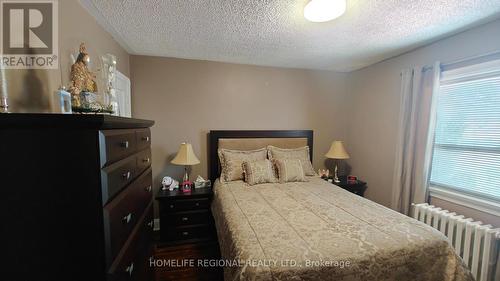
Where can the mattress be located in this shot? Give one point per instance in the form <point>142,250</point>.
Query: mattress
<point>315,230</point>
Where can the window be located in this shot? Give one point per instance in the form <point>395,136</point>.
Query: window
<point>466,150</point>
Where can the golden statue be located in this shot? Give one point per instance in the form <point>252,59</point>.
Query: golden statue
<point>82,79</point>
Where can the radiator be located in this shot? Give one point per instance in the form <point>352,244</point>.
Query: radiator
<point>476,243</point>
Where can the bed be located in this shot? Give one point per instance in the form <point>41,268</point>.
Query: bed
<point>317,231</point>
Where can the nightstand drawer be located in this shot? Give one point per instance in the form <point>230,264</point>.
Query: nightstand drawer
<point>186,218</point>
<point>116,145</point>
<point>185,204</point>
<point>186,233</point>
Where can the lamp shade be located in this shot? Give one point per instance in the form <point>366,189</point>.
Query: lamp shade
<point>185,155</point>
<point>337,151</point>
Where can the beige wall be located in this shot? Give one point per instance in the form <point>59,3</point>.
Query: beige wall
<point>374,100</point>
<point>31,90</point>
<point>187,98</point>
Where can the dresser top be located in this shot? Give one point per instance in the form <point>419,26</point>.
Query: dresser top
<point>70,121</point>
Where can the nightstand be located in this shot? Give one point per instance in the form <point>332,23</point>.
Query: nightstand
<point>186,217</point>
<point>357,187</point>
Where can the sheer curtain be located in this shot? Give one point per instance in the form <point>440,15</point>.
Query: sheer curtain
<point>415,135</point>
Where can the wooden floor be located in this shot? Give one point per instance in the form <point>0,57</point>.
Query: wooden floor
<point>184,253</point>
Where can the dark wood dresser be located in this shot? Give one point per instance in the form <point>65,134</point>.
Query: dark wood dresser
<point>76,197</point>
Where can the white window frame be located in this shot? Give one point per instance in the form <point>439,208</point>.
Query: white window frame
<point>490,206</point>
<point>461,198</point>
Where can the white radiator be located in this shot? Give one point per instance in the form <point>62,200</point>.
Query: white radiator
<point>476,243</point>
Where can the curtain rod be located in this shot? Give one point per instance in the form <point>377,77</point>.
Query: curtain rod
<point>479,58</point>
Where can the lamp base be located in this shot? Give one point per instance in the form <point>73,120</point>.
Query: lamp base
<point>186,184</point>
<point>336,177</point>
<point>186,174</point>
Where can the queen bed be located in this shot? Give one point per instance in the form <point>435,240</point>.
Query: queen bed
<point>314,230</point>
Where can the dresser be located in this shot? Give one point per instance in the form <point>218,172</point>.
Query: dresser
<point>76,197</point>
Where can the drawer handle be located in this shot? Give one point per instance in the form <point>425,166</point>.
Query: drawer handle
<point>146,139</point>
<point>151,223</point>
<point>130,269</point>
<point>145,160</point>
<point>124,144</point>
<point>127,218</point>
<point>184,219</point>
<point>171,206</point>
<point>185,233</point>
<point>126,175</point>
<point>148,189</point>
<point>197,204</point>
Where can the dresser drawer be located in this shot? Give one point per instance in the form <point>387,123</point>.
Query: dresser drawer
<point>123,212</point>
<point>186,233</point>
<point>185,218</point>
<point>116,145</point>
<point>132,261</point>
<point>184,205</point>
<point>116,176</point>
<point>143,138</point>
<point>143,160</point>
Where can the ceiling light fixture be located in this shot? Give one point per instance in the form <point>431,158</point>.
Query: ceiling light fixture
<point>324,10</point>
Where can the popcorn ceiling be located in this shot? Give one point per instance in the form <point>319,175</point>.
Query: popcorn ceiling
<point>275,32</point>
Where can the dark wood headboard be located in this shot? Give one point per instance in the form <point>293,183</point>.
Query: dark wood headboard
<point>214,136</point>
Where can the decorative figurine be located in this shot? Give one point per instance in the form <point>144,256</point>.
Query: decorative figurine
<point>83,89</point>
<point>169,183</point>
<point>109,75</point>
<point>324,174</point>
<point>82,80</point>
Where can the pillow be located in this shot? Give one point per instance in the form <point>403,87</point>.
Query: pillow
<point>231,162</point>
<point>290,170</point>
<point>261,171</point>
<point>301,153</point>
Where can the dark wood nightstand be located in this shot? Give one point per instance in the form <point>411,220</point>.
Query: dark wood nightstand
<point>357,187</point>
<point>187,232</point>
<point>186,217</point>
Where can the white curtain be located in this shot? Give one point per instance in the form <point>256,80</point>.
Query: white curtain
<point>415,136</point>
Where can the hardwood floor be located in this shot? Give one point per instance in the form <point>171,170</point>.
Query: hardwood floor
<point>180,262</point>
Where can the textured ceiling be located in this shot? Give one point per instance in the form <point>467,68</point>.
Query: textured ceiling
<point>275,33</point>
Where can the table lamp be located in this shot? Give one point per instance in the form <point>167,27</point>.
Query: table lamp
<point>337,151</point>
<point>185,156</point>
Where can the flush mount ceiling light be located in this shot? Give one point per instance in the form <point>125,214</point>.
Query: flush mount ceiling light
<point>324,10</point>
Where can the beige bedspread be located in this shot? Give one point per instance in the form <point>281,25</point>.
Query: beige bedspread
<point>318,231</point>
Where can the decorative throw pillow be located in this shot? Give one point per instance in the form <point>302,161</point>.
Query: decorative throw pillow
<point>231,162</point>
<point>301,153</point>
<point>289,170</point>
<point>261,171</point>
